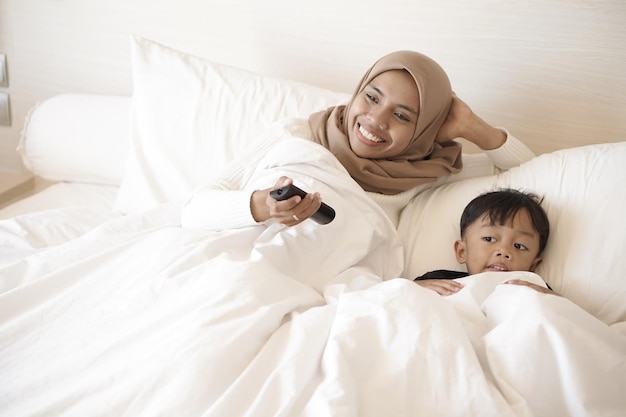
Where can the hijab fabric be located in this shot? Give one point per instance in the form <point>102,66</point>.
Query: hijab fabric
<point>423,160</point>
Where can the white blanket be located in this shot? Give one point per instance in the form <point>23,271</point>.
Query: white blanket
<point>139,317</point>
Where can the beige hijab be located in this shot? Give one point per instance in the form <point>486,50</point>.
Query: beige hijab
<point>423,160</point>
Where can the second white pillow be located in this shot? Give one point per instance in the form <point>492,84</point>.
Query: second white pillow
<point>190,117</point>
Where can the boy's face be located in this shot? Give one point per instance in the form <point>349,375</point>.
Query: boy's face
<point>492,247</point>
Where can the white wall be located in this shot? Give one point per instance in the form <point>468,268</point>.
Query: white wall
<point>551,71</point>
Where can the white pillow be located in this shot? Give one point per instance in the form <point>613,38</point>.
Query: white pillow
<point>78,138</point>
<point>190,117</point>
<point>584,197</point>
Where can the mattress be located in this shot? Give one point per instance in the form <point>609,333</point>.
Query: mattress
<point>63,195</point>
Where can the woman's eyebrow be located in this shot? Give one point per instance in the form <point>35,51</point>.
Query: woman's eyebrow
<point>402,106</point>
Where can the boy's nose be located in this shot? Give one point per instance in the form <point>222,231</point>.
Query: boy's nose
<point>504,253</point>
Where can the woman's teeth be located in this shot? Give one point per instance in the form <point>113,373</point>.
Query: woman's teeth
<point>367,135</point>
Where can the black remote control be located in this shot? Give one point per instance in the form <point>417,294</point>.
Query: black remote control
<point>324,215</point>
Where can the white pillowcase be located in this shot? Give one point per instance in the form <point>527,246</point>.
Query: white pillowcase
<point>583,190</point>
<point>190,117</point>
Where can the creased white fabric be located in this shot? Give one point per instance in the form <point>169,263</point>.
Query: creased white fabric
<point>139,317</point>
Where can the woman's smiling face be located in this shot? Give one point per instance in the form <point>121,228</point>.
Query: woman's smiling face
<point>382,118</point>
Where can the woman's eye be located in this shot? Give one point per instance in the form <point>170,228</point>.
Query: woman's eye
<point>403,117</point>
<point>370,97</point>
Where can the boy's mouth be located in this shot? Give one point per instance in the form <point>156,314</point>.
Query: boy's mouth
<point>497,267</point>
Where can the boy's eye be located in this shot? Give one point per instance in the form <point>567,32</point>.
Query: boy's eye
<point>519,246</point>
<point>489,239</point>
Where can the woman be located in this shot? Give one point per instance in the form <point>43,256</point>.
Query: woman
<point>395,138</point>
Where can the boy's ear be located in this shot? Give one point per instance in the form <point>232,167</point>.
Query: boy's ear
<point>459,250</point>
<point>535,264</point>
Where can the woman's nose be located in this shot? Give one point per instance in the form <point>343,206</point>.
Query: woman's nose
<point>377,116</point>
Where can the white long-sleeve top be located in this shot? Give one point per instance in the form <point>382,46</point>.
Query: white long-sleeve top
<point>223,204</point>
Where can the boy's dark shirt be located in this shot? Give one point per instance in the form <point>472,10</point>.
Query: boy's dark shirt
<point>442,274</point>
<point>447,274</point>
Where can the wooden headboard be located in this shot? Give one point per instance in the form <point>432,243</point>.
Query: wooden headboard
<point>551,71</point>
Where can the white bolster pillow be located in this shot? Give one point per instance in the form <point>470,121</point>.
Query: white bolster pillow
<point>78,138</point>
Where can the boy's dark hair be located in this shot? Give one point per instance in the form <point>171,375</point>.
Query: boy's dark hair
<point>502,205</point>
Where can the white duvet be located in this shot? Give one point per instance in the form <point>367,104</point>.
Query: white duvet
<point>139,317</point>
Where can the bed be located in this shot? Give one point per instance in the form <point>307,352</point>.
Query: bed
<point>110,308</point>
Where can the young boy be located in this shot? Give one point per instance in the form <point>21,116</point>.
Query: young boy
<point>505,230</point>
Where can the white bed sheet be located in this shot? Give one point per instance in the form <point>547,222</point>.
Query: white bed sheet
<point>57,214</point>
<point>139,317</point>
